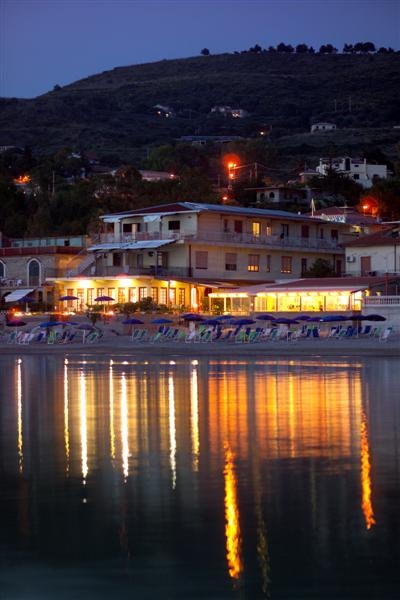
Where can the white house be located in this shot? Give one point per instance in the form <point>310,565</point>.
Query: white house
<point>355,168</point>
<point>322,126</point>
<point>375,254</point>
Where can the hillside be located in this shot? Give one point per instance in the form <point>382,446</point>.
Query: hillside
<point>112,113</point>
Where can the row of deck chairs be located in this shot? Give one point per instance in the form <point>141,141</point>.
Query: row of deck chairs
<point>51,337</point>
<point>366,331</point>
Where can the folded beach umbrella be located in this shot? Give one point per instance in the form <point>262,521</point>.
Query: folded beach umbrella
<point>47,324</point>
<point>285,321</point>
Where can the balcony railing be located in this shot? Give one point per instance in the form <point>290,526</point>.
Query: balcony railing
<point>371,301</point>
<point>152,271</point>
<point>215,237</point>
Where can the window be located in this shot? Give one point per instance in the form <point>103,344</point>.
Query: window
<point>365,264</point>
<point>268,229</point>
<point>111,293</point>
<point>154,294</point>
<point>356,176</point>
<point>117,259</point>
<point>172,296</point>
<point>143,293</point>
<point>334,234</point>
<point>238,226</point>
<point>34,272</point>
<point>162,295</point>
<point>284,230</point>
<point>121,299</point>
<point>286,264</point>
<point>90,296</point>
<point>268,265</point>
<point>230,261</point>
<point>305,231</point>
<point>132,294</point>
<point>226,225</point>
<point>2,269</point>
<point>181,297</point>
<point>256,228</point>
<point>174,225</point>
<point>99,292</point>
<point>303,265</point>
<point>253,262</point>
<point>201,259</point>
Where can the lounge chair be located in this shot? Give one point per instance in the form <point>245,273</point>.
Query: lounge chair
<point>386,333</point>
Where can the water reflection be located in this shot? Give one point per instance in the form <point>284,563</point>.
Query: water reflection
<point>366,485</point>
<point>205,466</point>
<point>232,526</point>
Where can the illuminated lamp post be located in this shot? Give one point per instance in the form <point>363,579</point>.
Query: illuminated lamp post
<point>231,173</point>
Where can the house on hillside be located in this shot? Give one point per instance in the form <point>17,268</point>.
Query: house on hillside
<point>177,253</point>
<point>322,126</point>
<point>356,169</point>
<point>283,194</point>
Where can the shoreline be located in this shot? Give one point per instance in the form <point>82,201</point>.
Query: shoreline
<point>122,344</point>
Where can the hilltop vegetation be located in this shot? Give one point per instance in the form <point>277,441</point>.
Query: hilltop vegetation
<point>133,117</point>
<point>112,113</point>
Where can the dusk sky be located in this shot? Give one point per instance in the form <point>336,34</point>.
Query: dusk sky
<point>49,42</point>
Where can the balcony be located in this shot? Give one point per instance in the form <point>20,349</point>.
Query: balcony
<point>152,271</point>
<point>225,239</point>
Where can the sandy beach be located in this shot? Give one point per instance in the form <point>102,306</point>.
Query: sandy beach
<point>116,339</point>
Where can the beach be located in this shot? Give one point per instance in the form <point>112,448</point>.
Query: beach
<point>116,339</point>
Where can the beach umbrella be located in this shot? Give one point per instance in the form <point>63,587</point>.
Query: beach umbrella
<point>285,321</point>
<point>47,324</point>
<point>63,298</point>
<point>212,322</point>
<point>132,321</point>
<point>332,318</point>
<point>192,317</point>
<point>161,321</point>
<point>15,323</point>
<point>242,321</point>
<point>303,317</point>
<point>375,318</point>
<point>104,299</point>
<point>86,327</point>
<point>224,317</point>
<point>265,317</point>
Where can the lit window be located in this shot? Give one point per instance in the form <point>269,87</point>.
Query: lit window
<point>286,264</point>
<point>253,262</point>
<point>256,228</point>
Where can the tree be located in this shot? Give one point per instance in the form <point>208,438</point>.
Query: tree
<point>205,52</point>
<point>320,268</point>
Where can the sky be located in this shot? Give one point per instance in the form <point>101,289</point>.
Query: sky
<point>44,43</point>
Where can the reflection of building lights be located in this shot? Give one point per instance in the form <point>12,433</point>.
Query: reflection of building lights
<point>194,417</point>
<point>19,412</point>
<point>124,427</point>
<point>66,414</point>
<point>366,486</point>
<point>172,428</point>
<point>232,527</point>
<point>83,427</point>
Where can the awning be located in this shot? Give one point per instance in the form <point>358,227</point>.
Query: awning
<point>148,245</point>
<point>17,295</point>
<point>143,245</point>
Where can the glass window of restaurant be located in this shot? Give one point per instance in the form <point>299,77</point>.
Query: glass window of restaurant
<point>162,296</point>
<point>133,296</point>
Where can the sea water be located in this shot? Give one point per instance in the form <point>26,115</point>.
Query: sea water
<point>199,478</point>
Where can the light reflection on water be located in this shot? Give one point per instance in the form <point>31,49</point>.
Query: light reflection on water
<point>206,478</point>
